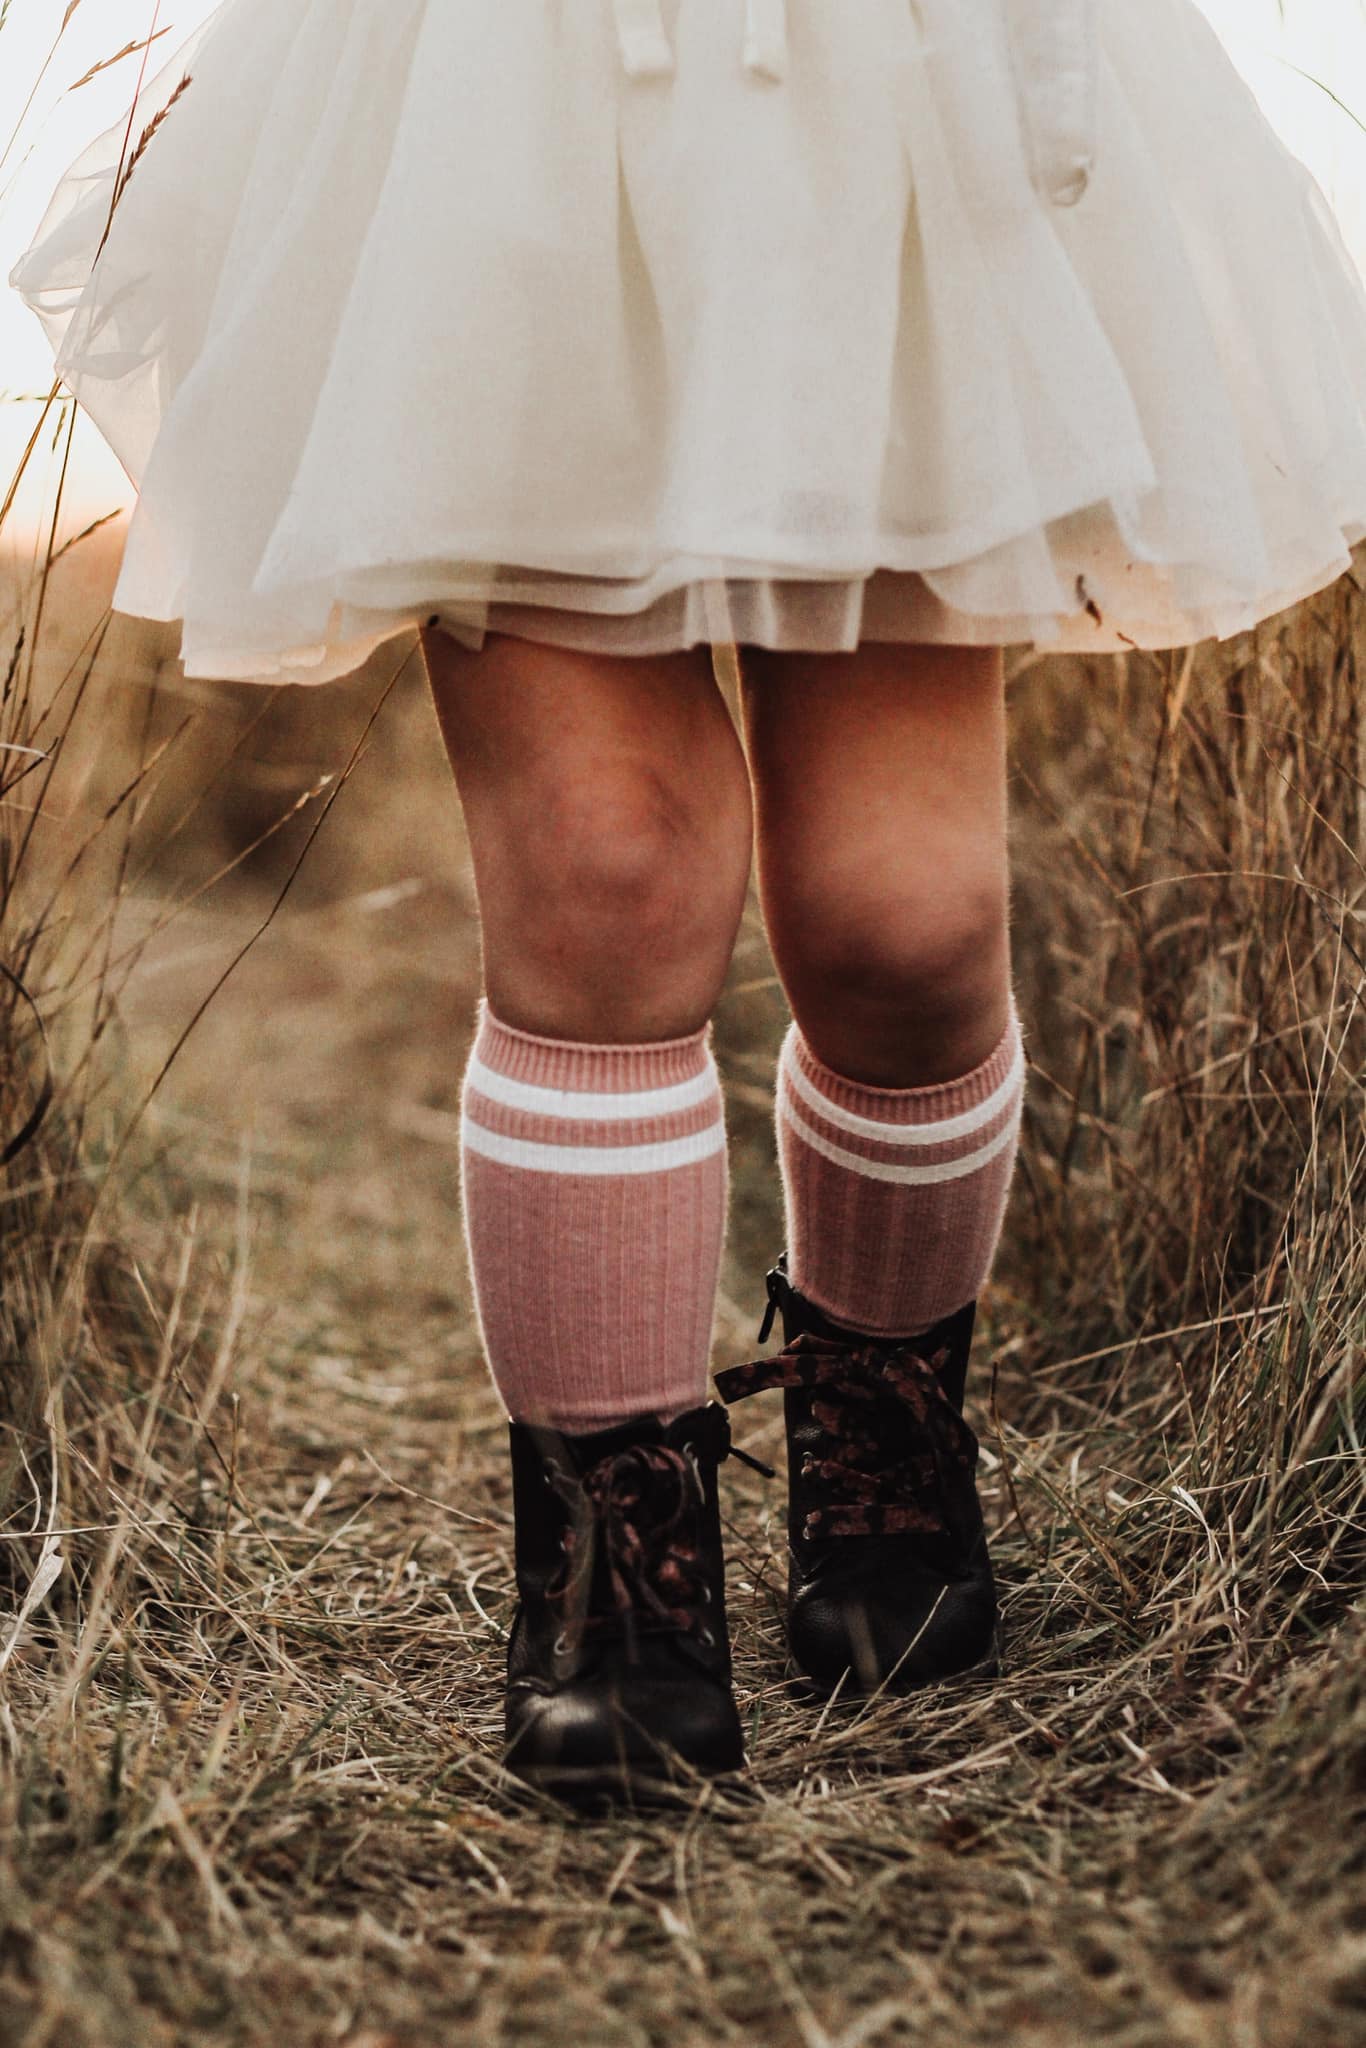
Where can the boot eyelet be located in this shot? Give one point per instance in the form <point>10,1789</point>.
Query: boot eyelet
<point>707,1639</point>
<point>560,1646</point>
<point>706,1596</point>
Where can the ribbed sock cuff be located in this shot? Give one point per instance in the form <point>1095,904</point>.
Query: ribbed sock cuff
<point>895,1196</point>
<point>944,1102</point>
<point>594,1181</point>
<point>594,1069</point>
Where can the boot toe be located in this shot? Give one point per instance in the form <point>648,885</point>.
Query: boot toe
<point>854,1634</point>
<point>586,1739</point>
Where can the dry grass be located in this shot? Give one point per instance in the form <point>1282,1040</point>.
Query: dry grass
<point>250,1735</point>
<point>254,1518</point>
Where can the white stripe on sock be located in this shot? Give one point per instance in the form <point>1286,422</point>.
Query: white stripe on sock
<point>930,1175</point>
<point>581,1105</point>
<point>945,1132</point>
<point>595,1159</point>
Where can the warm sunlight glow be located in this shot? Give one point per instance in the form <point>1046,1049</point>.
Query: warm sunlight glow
<point>61,120</point>
<point>1306,60</point>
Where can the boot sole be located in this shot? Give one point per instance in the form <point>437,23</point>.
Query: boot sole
<point>597,1788</point>
<point>817,1690</point>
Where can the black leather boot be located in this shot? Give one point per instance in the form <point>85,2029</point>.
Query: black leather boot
<point>619,1660</point>
<point>890,1585</point>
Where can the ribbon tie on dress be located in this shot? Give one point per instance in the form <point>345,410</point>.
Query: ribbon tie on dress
<point>647,52</point>
<point>1055,53</point>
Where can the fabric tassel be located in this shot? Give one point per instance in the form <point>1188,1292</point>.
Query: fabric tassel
<point>766,39</point>
<point>646,50</point>
<point>1055,48</point>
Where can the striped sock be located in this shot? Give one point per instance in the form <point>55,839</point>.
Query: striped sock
<point>895,1196</point>
<point>594,1180</point>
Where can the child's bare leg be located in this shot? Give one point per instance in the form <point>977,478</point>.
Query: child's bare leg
<point>609,816</point>
<point>880,782</point>
<point>609,819</point>
<point>881,808</point>
<point>881,798</point>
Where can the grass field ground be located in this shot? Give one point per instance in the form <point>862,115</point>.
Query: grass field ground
<point>255,1512</point>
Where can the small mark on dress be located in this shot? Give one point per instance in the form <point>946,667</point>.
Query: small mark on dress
<point>1088,603</point>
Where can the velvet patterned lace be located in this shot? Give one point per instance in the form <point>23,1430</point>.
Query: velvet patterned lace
<point>632,1556</point>
<point>892,1450</point>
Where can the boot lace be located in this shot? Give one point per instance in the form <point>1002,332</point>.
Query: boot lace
<point>892,1448</point>
<point>632,1532</point>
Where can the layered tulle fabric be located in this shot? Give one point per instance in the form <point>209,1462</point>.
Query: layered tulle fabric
<point>795,322</point>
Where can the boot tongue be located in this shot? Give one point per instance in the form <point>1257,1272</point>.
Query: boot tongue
<point>589,1451</point>
<point>633,1544</point>
<point>704,1430</point>
<point>952,1337</point>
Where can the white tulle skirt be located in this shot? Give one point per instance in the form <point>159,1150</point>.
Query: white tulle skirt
<point>632,324</point>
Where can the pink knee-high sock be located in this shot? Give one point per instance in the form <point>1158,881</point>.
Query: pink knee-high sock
<point>594,1181</point>
<point>895,1196</point>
